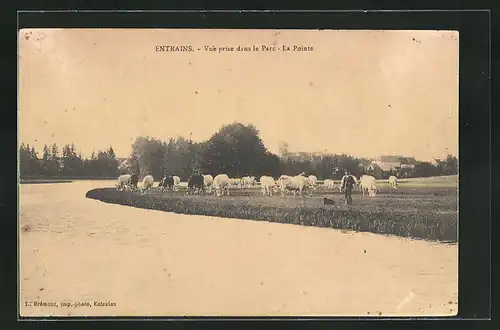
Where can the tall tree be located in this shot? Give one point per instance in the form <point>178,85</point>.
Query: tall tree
<point>53,164</point>
<point>112,163</point>
<point>451,165</point>
<point>426,169</point>
<point>34,162</point>
<point>24,161</point>
<point>140,151</point>
<point>29,164</point>
<point>236,150</point>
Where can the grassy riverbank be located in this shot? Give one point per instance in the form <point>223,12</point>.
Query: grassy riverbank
<point>427,213</point>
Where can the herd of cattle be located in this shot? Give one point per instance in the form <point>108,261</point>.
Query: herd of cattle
<point>221,184</point>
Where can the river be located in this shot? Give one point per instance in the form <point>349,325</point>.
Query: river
<point>110,260</point>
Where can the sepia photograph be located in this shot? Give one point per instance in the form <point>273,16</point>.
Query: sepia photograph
<point>218,172</point>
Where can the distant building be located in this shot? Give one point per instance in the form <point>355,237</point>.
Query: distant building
<point>408,162</point>
<point>386,163</point>
<point>307,156</point>
<point>392,163</point>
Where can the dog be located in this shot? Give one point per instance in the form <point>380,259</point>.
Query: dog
<point>328,201</point>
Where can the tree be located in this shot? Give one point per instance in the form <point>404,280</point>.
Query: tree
<point>66,160</point>
<point>45,162</point>
<point>150,156</point>
<point>54,166</point>
<point>426,169</point>
<point>450,165</point>
<point>112,163</point>
<point>349,163</point>
<point>54,151</point>
<point>24,161</point>
<point>34,162</point>
<point>271,165</point>
<point>236,150</point>
<point>29,164</point>
<point>71,163</point>
<point>104,164</point>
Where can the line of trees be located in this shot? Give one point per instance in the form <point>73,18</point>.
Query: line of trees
<point>54,162</point>
<point>236,150</point>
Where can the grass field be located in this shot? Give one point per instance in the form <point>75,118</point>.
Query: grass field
<point>420,208</point>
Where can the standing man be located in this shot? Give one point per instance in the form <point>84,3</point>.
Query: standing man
<point>347,184</point>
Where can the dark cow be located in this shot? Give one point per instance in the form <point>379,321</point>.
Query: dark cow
<point>134,179</point>
<point>166,183</point>
<point>195,183</point>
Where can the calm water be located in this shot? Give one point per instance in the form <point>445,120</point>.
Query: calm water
<point>62,207</point>
<point>157,263</point>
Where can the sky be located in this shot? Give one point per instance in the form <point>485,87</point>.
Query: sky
<point>364,93</point>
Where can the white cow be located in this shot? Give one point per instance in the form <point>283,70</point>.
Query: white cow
<point>268,185</point>
<point>393,182</point>
<point>313,180</point>
<point>356,182</point>
<point>235,182</point>
<point>221,184</point>
<point>123,181</point>
<point>207,182</point>
<point>248,181</point>
<point>296,184</point>
<point>329,184</point>
<point>177,181</point>
<point>147,183</point>
<point>367,184</point>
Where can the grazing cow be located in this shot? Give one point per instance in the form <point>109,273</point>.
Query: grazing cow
<point>393,182</point>
<point>122,182</point>
<point>248,181</point>
<point>296,184</point>
<point>147,183</point>
<point>342,182</point>
<point>207,182</point>
<point>329,184</point>
<point>235,182</point>
<point>367,184</point>
<point>268,185</point>
<point>195,184</point>
<point>177,181</point>
<point>221,184</point>
<point>166,183</point>
<point>134,180</point>
<point>313,180</point>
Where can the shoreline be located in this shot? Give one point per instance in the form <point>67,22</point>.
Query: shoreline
<point>41,181</point>
<point>433,226</point>
<point>35,180</point>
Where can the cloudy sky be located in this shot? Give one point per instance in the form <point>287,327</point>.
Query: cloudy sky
<point>365,93</point>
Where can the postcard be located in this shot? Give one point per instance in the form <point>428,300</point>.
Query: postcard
<point>210,172</point>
